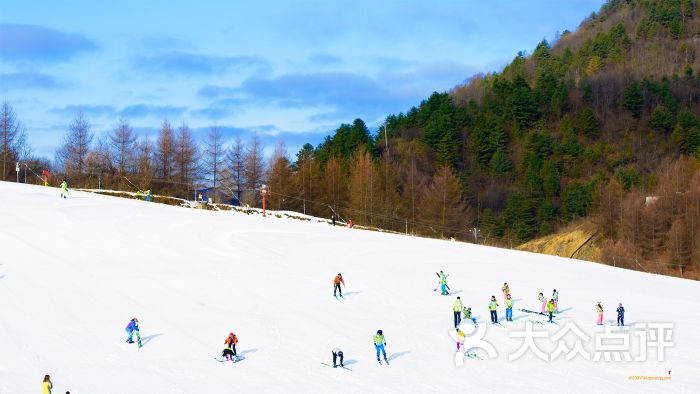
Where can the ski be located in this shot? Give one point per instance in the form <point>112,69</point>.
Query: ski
<point>471,354</point>
<point>339,366</point>
<point>535,312</point>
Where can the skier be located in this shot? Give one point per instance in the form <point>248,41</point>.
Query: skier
<point>599,311</point>
<point>46,385</point>
<point>350,224</point>
<point>506,290</point>
<point>64,189</point>
<point>541,298</point>
<point>148,195</point>
<point>229,352</point>
<point>457,309</point>
<point>333,219</point>
<point>131,328</point>
<point>620,315</point>
<point>336,285</point>
<point>337,354</point>
<point>468,315</point>
<point>379,344</point>
<point>550,308</point>
<point>493,304</point>
<point>555,297</point>
<point>443,283</point>
<point>509,308</point>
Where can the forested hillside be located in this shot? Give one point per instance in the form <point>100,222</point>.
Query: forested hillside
<point>602,124</point>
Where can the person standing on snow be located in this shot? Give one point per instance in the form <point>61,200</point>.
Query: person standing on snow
<point>506,290</point>
<point>599,311</point>
<point>468,315</point>
<point>509,308</point>
<point>336,285</point>
<point>543,300</point>
<point>379,344</point>
<point>443,283</point>
<point>555,298</point>
<point>229,352</point>
<point>64,189</point>
<point>550,308</point>
<point>337,354</point>
<point>46,385</point>
<point>131,328</point>
<point>457,311</point>
<point>493,305</point>
<point>620,315</point>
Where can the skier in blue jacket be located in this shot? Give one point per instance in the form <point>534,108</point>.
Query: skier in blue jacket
<point>131,328</point>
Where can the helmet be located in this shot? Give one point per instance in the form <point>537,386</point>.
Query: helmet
<point>231,334</point>
<point>379,332</point>
<point>458,297</point>
<point>339,274</point>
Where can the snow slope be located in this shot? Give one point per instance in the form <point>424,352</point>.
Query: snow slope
<point>74,271</point>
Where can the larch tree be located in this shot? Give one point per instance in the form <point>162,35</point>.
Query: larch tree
<point>306,176</point>
<point>254,170</point>
<point>11,139</point>
<point>235,167</point>
<point>144,163</point>
<point>76,146</point>
<point>123,143</point>
<point>332,190</point>
<point>186,160</point>
<point>165,153</point>
<point>363,188</point>
<point>443,208</point>
<point>279,179</point>
<point>214,159</point>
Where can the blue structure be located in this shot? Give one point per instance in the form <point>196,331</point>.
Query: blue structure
<point>222,197</point>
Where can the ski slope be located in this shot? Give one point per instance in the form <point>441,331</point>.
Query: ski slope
<point>74,271</point>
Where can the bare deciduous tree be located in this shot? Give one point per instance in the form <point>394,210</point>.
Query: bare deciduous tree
<point>123,143</point>
<point>214,158</point>
<point>76,146</point>
<point>254,170</point>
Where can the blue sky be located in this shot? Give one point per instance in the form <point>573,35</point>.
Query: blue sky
<point>284,70</point>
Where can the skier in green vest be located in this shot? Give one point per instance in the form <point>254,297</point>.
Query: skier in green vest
<point>64,189</point>
<point>379,344</point>
<point>457,311</point>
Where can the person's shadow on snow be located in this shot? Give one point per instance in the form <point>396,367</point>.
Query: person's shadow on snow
<point>148,338</point>
<point>397,355</point>
<point>350,293</point>
<point>244,352</point>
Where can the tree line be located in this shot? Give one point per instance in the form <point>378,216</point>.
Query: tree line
<point>586,127</point>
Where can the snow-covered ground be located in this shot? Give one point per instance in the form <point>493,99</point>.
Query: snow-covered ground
<point>74,271</point>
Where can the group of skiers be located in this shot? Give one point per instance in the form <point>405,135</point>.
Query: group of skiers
<point>549,307</point>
